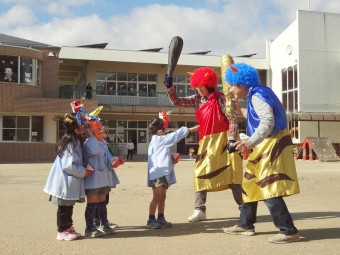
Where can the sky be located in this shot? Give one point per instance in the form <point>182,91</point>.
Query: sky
<point>235,27</point>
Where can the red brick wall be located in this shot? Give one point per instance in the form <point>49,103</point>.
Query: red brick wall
<point>11,92</point>
<point>19,98</point>
<point>50,76</point>
<point>21,51</point>
<point>26,152</point>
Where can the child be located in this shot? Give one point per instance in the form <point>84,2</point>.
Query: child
<point>109,153</point>
<point>191,152</point>
<point>65,183</point>
<point>161,168</point>
<point>98,185</point>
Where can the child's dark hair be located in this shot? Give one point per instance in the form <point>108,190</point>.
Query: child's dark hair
<point>155,125</point>
<point>70,123</point>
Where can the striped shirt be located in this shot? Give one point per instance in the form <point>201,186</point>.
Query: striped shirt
<point>197,101</point>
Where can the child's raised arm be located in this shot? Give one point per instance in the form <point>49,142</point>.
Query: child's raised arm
<point>194,129</point>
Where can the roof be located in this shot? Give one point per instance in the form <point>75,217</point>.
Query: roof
<point>147,57</point>
<point>16,41</point>
<point>97,45</point>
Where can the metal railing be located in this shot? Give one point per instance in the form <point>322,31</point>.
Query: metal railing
<point>119,97</point>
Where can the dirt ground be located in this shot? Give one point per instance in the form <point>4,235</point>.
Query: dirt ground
<point>28,220</point>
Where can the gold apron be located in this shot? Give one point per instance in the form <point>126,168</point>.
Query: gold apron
<point>270,169</point>
<point>214,168</point>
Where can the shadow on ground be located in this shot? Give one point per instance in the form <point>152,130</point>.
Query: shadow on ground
<point>216,226</point>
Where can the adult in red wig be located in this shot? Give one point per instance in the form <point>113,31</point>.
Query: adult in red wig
<point>214,170</point>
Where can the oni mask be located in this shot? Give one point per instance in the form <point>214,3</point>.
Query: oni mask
<point>97,128</point>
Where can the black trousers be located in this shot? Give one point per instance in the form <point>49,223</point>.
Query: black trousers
<point>130,152</point>
<point>64,217</point>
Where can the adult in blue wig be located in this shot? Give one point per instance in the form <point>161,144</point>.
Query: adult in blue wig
<point>270,172</point>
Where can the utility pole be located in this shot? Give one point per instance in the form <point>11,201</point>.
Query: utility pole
<point>308,5</point>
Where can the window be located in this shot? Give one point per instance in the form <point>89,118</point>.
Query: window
<point>37,129</point>
<point>293,126</point>
<point>22,70</point>
<point>120,131</point>
<point>126,84</point>
<point>110,125</point>
<point>106,83</point>
<point>147,85</point>
<point>290,89</point>
<point>142,135</point>
<point>9,69</point>
<point>183,87</point>
<point>192,137</point>
<point>142,124</point>
<point>26,71</point>
<point>22,128</point>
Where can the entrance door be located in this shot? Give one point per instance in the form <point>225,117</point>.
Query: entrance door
<point>142,140</point>
<point>132,134</point>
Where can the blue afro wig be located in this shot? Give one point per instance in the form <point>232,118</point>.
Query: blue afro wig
<point>242,74</point>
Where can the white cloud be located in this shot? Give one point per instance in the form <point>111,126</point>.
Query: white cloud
<point>237,27</point>
<point>18,15</point>
<point>63,7</point>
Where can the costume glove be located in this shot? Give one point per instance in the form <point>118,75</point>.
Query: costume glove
<point>230,147</point>
<point>168,81</point>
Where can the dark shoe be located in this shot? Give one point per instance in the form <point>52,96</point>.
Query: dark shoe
<point>93,232</point>
<point>164,223</point>
<point>106,229</point>
<point>154,224</point>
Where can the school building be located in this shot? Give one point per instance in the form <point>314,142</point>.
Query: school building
<point>38,82</point>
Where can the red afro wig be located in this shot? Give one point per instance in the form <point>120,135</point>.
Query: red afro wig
<point>204,76</point>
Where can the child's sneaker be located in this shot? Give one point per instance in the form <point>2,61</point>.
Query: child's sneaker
<point>106,229</point>
<point>73,231</point>
<point>112,225</point>
<point>154,224</point>
<point>66,235</point>
<point>93,232</point>
<point>164,223</point>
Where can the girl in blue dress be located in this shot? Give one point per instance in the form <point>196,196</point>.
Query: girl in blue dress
<point>65,183</point>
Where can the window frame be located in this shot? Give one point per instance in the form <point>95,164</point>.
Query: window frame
<point>290,88</point>
<point>126,84</point>
<point>18,73</point>
<point>18,129</point>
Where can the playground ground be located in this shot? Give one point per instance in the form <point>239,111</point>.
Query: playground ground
<point>28,220</point>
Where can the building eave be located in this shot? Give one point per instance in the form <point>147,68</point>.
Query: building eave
<point>314,116</point>
<point>76,53</point>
